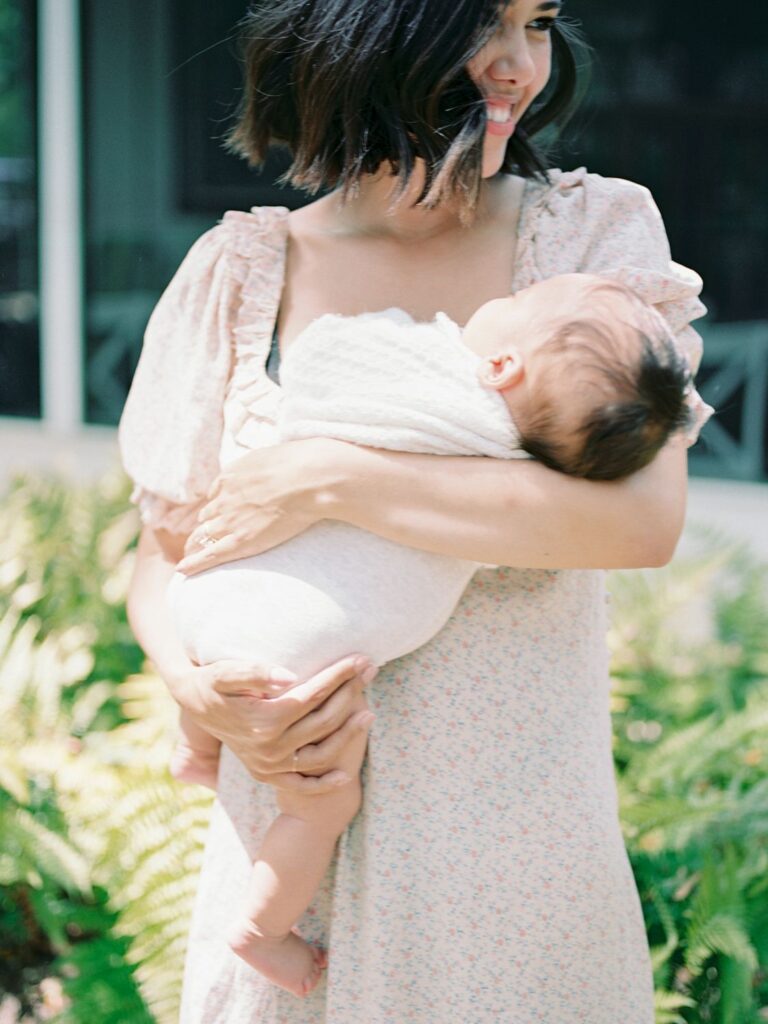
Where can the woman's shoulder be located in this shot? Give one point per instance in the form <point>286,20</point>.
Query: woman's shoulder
<point>583,193</point>
<point>571,219</point>
<point>578,221</point>
<point>246,232</point>
<point>241,238</point>
<point>215,315</point>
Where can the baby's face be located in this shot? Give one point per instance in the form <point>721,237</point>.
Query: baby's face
<point>526,320</point>
<point>510,333</point>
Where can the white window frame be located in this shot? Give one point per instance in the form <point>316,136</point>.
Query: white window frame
<point>60,216</point>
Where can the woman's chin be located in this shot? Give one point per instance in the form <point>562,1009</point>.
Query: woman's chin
<point>493,156</point>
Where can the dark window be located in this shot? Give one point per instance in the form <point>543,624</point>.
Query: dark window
<point>679,103</point>
<point>160,79</point>
<point>206,89</point>
<point>19,334</point>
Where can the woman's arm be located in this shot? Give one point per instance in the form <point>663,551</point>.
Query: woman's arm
<point>247,706</point>
<point>156,556</point>
<point>516,513</point>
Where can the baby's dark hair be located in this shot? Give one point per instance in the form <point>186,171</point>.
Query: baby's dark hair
<point>641,399</point>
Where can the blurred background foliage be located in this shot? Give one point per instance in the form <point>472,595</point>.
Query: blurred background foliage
<point>100,849</point>
<point>690,696</point>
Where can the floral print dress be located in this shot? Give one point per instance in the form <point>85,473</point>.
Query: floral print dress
<point>485,880</point>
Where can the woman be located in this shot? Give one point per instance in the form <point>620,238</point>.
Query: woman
<point>430,914</point>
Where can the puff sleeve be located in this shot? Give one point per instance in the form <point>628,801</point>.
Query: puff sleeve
<point>586,223</point>
<point>171,426</point>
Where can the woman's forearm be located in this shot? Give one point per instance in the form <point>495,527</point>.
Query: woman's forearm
<point>515,513</point>
<point>148,613</point>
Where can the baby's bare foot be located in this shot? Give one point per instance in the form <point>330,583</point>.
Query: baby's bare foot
<point>188,765</point>
<point>285,960</point>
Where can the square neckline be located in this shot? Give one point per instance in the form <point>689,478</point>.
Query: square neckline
<point>275,335</point>
<point>275,357</point>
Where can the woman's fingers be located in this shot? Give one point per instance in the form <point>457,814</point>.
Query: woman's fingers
<point>209,530</point>
<point>243,679</point>
<point>210,510</point>
<point>264,716</point>
<point>316,758</point>
<point>232,541</point>
<point>303,702</point>
<point>260,500</point>
<point>211,542</point>
<point>309,784</point>
<point>319,725</point>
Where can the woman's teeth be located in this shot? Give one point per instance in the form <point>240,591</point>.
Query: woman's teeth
<point>498,115</point>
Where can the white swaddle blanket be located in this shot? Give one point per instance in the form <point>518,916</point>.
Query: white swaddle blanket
<point>378,379</point>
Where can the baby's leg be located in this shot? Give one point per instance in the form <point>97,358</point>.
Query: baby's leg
<point>288,870</point>
<point>195,757</point>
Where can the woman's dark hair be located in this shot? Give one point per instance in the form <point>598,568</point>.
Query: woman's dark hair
<point>349,84</point>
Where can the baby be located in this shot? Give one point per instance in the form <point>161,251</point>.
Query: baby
<point>575,371</point>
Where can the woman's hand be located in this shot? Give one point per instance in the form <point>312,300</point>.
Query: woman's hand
<point>260,500</point>
<point>289,738</point>
<point>277,729</point>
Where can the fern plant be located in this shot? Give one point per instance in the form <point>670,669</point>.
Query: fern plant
<point>153,874</point>
<point>100,848</point>
<point>691,718</point>
<point>54,913</point>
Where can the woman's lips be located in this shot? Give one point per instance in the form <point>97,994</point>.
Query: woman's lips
<point>503,128</point>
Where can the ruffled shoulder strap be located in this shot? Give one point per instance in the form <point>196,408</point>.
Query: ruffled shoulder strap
<point>540,200</point>
<point>259,244</point>
<point>171,428</point>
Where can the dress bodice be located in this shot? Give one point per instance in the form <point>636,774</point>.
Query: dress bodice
<point>201,395</point>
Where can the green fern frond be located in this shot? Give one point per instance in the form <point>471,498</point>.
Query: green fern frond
<point>108,996</point>
<point>13,778</point>
<point>719,920</point>
<point>720,934</point>
<point>87,704</point>
<point>736,988</point>
<point>644,813</point>
<point>665,1005</point>
<point>38,852</point>
<point>710,743</point>
<point>153,853</point>
<point>660,954</point>
<point>18,652</point>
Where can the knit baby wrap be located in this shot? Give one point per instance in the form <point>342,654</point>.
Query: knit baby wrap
<point>377,379</point>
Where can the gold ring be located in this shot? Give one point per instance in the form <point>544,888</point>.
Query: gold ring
<point>206,537</point>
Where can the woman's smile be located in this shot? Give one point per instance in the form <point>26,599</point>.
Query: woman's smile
<point>501,118</point>
<point>511,69</point>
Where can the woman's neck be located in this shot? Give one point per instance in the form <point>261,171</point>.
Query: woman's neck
<point>372,210</point>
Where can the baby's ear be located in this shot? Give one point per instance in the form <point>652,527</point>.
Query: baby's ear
<point>502,371</point>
